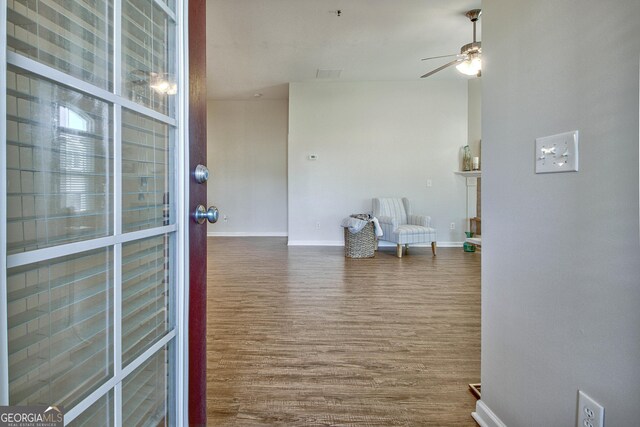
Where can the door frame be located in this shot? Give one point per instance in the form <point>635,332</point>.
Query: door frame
<point>196,194</point>
<point>179,385</point>
<point>182,218</point>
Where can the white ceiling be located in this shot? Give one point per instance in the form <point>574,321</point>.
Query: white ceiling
<point>259,46</point>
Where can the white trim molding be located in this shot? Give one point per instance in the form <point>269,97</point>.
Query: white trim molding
<point>485,417</point>
<point>444,244</point>
<point>247,234</point>
<point>183,209</point>
<point>424,245</point>
<point>315,243</point>
<point>382,244</point>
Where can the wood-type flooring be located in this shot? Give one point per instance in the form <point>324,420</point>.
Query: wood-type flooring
<point>302,336</point>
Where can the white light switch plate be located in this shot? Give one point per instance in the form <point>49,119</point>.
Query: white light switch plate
<point>557,153</point>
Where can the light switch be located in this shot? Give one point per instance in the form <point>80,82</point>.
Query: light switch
<point>557,153</point>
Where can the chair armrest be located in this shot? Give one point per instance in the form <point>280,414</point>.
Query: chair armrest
<point>422,220</point>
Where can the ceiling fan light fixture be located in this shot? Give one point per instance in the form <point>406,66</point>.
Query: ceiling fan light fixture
<point>470,66</point>
<point>469,60</point>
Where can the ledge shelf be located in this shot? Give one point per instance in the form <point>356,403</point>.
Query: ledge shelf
<point>477,241</point>
<point>469,174</point>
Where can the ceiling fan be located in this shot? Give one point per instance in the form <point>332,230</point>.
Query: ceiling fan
<point>469,60</point>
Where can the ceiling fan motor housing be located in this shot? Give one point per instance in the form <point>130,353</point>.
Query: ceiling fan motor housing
<point>473,14</point>
<point>475,47</point>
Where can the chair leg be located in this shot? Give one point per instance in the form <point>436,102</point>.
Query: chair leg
<point>399,251</point>
<point>406,249</point>
<point>376,248</point>
<point>433,248</point>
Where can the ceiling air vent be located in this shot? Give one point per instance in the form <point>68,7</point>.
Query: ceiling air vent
<point>328,74</point>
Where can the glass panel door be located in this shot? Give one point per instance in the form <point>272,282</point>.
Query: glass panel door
<point>59,164</point>
<point>60,316</point>
<point>89,232</point>
<point>75,37</point>
<point>146,173</point>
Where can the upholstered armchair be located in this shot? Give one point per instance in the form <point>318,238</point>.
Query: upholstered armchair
<point>400,226</point>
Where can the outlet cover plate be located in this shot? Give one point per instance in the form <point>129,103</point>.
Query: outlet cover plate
<point>590,412</point>
<point>557,153</point>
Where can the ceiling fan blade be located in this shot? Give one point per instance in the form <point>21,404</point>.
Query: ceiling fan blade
<point>442,56</point>
<point>441,68</point>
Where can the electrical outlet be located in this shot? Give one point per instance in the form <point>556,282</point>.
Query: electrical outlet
<point>429,183</point>
<point>590,412</point>
<point>452,226</point>
<point>317,226</point>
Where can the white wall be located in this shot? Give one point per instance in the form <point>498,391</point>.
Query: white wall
<point>475,116</point>
<point>247,157</point>
<point>374,139</point>
<point>475,135</point>
<point>561,257</point>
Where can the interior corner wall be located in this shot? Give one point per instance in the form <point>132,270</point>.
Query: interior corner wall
<point>375,139</point>
<point>561,256</point>
<point>475,116</point>
<point>474,138</point>
<point>247,160</point>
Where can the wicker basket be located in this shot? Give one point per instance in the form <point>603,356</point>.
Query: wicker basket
<point>361,244</point>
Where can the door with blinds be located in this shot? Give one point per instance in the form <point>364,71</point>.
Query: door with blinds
<point>91,143</point>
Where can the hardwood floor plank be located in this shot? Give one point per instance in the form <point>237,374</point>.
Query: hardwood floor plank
<point>302,336</point>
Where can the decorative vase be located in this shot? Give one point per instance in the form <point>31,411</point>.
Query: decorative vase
<point>466,158</point>
<point>468,247</point>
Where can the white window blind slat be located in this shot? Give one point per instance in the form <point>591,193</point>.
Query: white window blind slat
<point>59,334</point>
<point>70,36</point>
<point>144,394</point>
<point>97,421</point>
<point>59,179</point>
<point>145,300</point>
<point>100,414</point>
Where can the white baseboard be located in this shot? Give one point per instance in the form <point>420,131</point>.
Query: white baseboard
<point>448,244</point>
<point>315,243</point>
<point>247,234</point>
<point>485,417</point>
<point>381,244</point>
<point>426,245</point>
